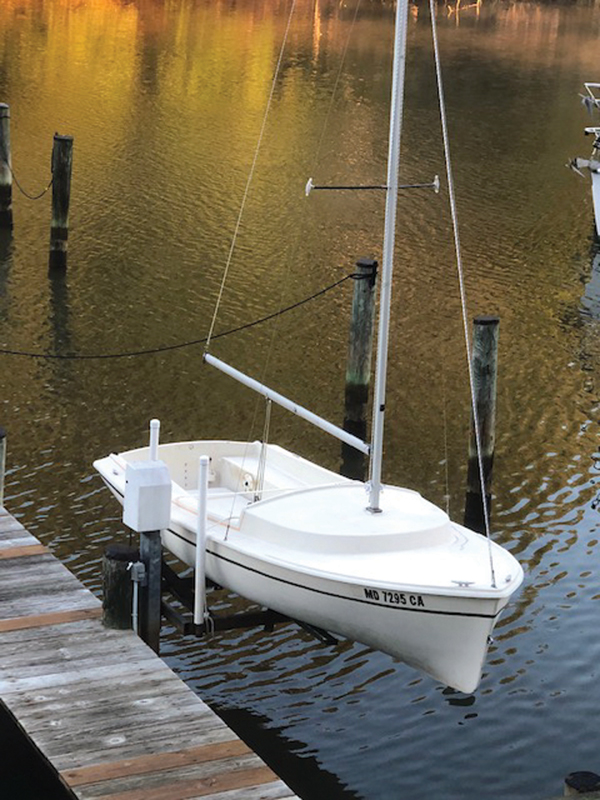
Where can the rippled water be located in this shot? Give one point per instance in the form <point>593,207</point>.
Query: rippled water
<point>165,101</point>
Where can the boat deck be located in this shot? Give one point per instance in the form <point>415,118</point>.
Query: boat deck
<point>105,711</point>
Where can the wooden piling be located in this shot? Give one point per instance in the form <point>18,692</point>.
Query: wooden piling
<point>579,783</point>
<point>358,367</point>
<point>117,585</point>
<point>6,214</point>
<point>150,593</point>
<point>62,164</point>
<point>2,463</point>
<point>485,370</point>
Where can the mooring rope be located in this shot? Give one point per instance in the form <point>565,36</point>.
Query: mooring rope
<point>18,185</point>
<point>249,179</point>
<point>461,282</point>
<point>179,346</point>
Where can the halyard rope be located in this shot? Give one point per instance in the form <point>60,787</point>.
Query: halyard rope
<point>250,177</point>
<point>461,282</point>
<point>293,250</point>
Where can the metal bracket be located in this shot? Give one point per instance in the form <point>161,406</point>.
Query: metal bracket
<point>138,572</point>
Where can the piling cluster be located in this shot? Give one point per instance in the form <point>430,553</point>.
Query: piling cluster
<point>62,163</point>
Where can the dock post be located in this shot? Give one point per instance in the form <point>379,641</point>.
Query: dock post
<point>6,214</point>
<point>358,367</point>
<point>150,592</point>
<point>2,463</point>
<point>578,783</point>
<point>485,370</point>
<point>62,165</point>
<point>147,510</point>
<point>117,585</point>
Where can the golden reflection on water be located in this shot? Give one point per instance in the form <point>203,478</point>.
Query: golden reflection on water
<point>165,101</point>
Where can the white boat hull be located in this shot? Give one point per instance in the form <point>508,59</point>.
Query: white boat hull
<point>403,624</point>
<point>417,588</point>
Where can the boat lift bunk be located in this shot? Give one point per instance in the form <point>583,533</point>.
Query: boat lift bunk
<point>181,589</point>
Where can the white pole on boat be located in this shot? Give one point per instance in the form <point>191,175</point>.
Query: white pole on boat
<point>388,252</point>
<point>2,463</point>
<point>154,431</point>
<point>200,573</point>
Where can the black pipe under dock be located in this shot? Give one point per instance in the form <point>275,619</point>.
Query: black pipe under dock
<point>109,716</point>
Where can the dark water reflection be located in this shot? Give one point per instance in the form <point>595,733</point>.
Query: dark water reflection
<point>165,101</point>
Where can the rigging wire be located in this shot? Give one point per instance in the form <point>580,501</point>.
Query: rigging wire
<point>294,246</point>
<point>293,249</point>
<point>461,282</point>
<point>250,178</point>
<point>274,328</point>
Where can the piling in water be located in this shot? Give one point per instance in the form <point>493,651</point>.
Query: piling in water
<point>578,783</point>
<point>358,367</point>
<point>62,164</point>
<point>150,593</point>
<point>117,597</point>
<point>6,214</point>
<point>485,370</point>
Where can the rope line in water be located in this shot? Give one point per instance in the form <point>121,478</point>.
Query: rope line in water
<point>20,188</point>
<point>461,281</point>
<point>181,345</point>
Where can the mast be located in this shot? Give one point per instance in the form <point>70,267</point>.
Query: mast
<point>388,252</point>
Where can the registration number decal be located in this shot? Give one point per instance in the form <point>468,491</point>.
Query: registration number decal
<point>395,598</point>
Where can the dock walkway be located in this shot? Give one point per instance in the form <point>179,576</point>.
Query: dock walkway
<point>107,713</point>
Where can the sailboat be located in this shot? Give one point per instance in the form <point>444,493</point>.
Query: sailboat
<point>591,100</point>
<point>375,563</point>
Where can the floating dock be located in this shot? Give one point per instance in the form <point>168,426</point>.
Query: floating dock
<point>103,709</point>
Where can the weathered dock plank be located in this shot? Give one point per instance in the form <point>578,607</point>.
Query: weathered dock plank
<point>109,715</point>
<point>13,534</point>
<point>129,767</point>
<point>22,550</point>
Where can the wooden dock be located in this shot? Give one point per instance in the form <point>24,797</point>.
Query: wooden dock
<point>105,711</point>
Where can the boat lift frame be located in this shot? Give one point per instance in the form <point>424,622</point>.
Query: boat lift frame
<point>182,590</point>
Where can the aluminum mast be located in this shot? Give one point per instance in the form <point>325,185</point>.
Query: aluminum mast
<point>388,252</point>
